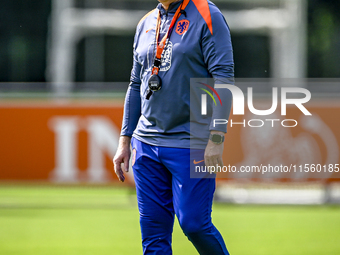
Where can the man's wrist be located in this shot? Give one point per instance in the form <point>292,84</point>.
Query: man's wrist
<point>124,139</point>
<point>217,132</point>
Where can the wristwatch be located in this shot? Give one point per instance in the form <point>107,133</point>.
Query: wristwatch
<point>216,138</point>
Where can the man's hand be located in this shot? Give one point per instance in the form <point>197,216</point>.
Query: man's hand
<point>122,156</point>
<point>213,152</point>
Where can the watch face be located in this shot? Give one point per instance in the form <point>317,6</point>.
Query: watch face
<point>216,138</point>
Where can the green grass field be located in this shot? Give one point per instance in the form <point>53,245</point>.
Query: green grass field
<point>63,220</point>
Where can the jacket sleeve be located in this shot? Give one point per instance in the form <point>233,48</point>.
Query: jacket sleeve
<point>218,57</point>
<point>132,105</point>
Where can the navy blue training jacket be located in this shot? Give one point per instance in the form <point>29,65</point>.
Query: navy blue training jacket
<point>199,47</point>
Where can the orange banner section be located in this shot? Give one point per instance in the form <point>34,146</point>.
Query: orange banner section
<point>306,152</point>
<point>74,141</point>
<point>61,141</point>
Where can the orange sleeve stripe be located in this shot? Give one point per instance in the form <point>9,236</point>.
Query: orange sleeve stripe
<point>146,15</point>
<point>203,8</point>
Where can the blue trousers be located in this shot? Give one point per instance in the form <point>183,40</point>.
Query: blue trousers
<point>164,188</point>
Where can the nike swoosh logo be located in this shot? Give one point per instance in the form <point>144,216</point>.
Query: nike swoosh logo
<point>197,162</point>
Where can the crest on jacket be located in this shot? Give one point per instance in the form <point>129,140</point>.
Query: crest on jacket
<point>182,26</point>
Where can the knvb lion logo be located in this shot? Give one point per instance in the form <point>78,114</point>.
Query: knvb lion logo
<point>182,26</point>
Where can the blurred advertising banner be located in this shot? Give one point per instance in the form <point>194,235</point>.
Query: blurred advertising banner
<point>259,148</point>
<point>74,141</point>
<point>59,141</point>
